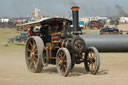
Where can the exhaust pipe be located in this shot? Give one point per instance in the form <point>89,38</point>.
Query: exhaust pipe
<point>75,14</point>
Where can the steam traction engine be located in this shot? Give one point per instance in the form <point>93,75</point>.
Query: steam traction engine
<point>60,44</point>
<point>57,43</point>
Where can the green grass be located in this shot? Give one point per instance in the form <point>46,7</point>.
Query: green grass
<point>6,33</point>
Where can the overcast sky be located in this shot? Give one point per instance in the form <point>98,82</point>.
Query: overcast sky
<point>21,8</point>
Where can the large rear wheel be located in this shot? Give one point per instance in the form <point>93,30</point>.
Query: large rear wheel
<point>63,61</point>
<point>92,60</point>
<point>33,54</point>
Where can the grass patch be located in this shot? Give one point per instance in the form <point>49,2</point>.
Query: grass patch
<point>10,45</point>
<point>88,31</point>
<point>6,33</point>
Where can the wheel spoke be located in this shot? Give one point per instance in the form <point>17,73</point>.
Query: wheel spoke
<point>91,52</point>
<point>64,68</point>
<point>62,61</point>
<point>91,66</point>
<point>60,53</point>
<point>65,61</point>
<point>61,57</point>
<point>89,55</point>
<point>33,47</point>
<point>64,56</point>
<point>30,44</point>
<point>94,55</point>
<point>94,66</point>
<point>29,50</point>
<point>29,58</point>
<point>35,63</point>
<point>36,54</point>
<point>61,67</point>
<point>31,64</point>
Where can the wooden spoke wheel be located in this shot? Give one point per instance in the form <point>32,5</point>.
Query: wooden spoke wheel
<point>92,60</point>
<point>33,54</point>
<point>63,61</point>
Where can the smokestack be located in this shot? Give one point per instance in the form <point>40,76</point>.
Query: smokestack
<point>75,14</point>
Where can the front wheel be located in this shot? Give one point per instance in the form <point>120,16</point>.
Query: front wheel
<point>92,60</point>
<point>63,61</point>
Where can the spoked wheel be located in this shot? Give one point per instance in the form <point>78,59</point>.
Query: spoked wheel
<point>33,54</point>
<point>92,60</point>
<point>63,61</point>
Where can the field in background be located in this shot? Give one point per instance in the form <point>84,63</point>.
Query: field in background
<point>6,33</point>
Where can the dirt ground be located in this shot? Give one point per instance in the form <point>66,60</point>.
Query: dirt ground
<point>13,71</point>
<point>123,27</point>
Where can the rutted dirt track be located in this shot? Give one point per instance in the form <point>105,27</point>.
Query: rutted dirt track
<point>13,71</point>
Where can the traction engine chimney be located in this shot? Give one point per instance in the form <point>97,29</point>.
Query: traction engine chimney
<point>75,17</point>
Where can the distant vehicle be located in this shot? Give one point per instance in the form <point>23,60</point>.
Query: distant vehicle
<point>21,38</point>
<point>81,24</point>
<point>109,30</point>
<point>19,27</point>
<point>102,21</point>
<point>114,22</point>
<point>95,24</point>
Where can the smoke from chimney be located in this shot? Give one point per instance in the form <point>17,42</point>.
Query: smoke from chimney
<point>121,10</point>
